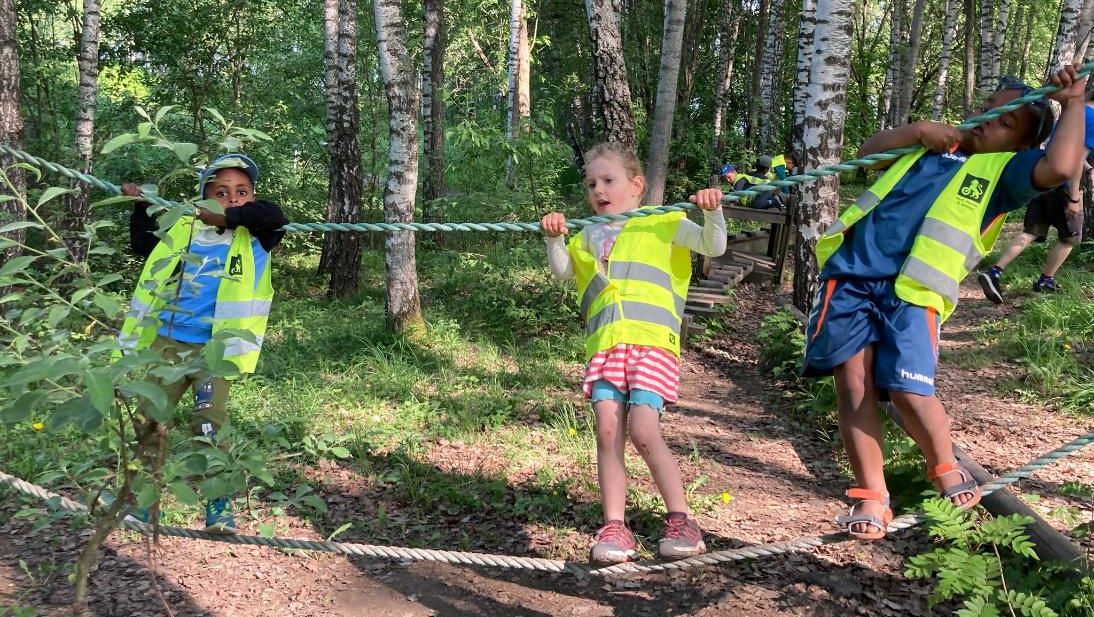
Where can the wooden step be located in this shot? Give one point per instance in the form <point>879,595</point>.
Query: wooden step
<point>701,311</point>
<point>703,297</point>
<point>693,301</point>
<point>720,286</point>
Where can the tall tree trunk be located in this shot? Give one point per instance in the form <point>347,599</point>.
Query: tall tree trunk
<point>346,186</point>
<point>433,108</point>
<point>1014,35</point>
<point>87,94</point>
<point>613,92</point>
<point>825,113</point>
<point>1086,22</point>
<point>911,57</point>
<point>403,303</point>
<point>891,86</point>
<point>519,96</point>
<point>1063,52</point>
<point>970,56</point>
<point>806,30</point>
<point>1028,39</point>
<point>997,47</point>
<point>727,52</point>
<point>771,81</point>
<point>944,63</point>
<point>694,25</point>
<point>751,129</point>
<point>665,108</point>
<point>11,126</point>
<point>986,82</point>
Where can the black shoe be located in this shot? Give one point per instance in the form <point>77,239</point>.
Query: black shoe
<point>1046,285</point>
<point>989,282</point>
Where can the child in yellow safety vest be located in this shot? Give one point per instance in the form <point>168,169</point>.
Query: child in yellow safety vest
<point>891,269</point>
<point>222,287</point>
<point>632,280</point>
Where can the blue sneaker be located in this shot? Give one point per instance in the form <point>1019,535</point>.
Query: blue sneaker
<point>218,516</point>
<point>1046,285</point>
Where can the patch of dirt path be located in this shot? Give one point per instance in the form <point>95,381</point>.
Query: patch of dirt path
<point>732,426</point>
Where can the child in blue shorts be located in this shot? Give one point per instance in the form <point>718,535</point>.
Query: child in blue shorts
<point>891,268</point>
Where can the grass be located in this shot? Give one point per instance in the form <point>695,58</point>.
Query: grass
<point>474,419</point>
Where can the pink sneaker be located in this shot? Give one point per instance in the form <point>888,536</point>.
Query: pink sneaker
<point>614,544</point>
<point>682,538</point>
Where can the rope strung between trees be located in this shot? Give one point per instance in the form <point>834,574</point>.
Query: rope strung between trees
<point>534,563</point>
<point>728,198</point>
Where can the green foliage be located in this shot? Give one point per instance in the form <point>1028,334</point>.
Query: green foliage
<point>990,565</point>
<point>783,340</point>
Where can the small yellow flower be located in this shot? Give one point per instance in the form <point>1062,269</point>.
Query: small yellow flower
<point>726,497</point>
<point>1067,346</point>
<point>37,426</point>
<point>573,431</point>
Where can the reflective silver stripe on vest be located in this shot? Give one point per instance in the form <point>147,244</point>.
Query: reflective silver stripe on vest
<point>932,278</point>
<point>867,201</point>
<point>635,311</point>
<point>638,271</point>
<point>236,346</point>
<point>596,286</point>
<point>944,233</point>
<point>128,341</point>
<point>138,309</point>
<point>835,228</point>
<point>241,309</point>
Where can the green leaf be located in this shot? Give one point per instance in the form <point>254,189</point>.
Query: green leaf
<point>57,314</point>
<point>212,488</point>
<point>152,393</point>
<point>144,129</point>
<point>31,372</point>
<point>141,112</point>
<point>19,225</point>
<point>16,264</point>
<point>108,279</point>
<point>266,530</point>
<point>117,142</point>
<point>184,493</point>
<point>216,115</point>
<point>339,452</point>
<point>77,411</point>
<point>211,205</point>
<point>23,407</point>
<point>185,151</point>
<point>52,192</point>
<point>100,389</point>
<point>117,199</point>
<point>31,168</point>
<point>108,304</point>
<point>145,492</point>
<point>315,502</point>
<point>339,531</point>
<point>163,111</point>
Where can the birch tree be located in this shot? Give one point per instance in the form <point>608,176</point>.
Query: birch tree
<point>665,107</point>
<point>433,46</point>
<point>907,73</point>
<point>727,52</point>
<point>1028,40</point>
<point>1063,52</point>
<point>806,29</point>
<point>997,47</point>
<point>757,75</point>
<point>970,56</point>
<point>825,113</point>
<point>771,80</point>
<point>891,85</point>
<point>11,125</point>
<point>403,303</point>
<point>342,250</point>
<point>944,62</point>
<point>87,94</point>
<point>520,109</point>
<point>614,94</point>
<point>985,83</point>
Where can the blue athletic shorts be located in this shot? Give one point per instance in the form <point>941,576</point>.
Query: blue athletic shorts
<point>603,390</point>
<point>850,314</point>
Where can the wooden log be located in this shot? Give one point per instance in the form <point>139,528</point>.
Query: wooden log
<point>701,310</point>
<point>693,301</point>
<point>1049,544</point>
<point>701,297</point>
<point>720,286</point>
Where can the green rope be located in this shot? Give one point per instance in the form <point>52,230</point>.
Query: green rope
<point>728,198</point>
<point>532,563</point>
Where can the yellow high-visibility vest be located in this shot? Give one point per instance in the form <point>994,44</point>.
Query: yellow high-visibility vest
<point>242,303</point>
<point>640,299</point>
<point>949,243</point>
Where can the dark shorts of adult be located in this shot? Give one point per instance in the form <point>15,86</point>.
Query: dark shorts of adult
<point>1050,210</point>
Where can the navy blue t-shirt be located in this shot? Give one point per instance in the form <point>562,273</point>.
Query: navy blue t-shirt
<point>877,245</point>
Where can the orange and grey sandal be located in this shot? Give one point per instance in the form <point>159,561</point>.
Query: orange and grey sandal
<point>967,486</point>
<point>852,518</point>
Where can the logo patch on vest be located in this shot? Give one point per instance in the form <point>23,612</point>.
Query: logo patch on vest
<point>235,266</point>
<point>973,188</point>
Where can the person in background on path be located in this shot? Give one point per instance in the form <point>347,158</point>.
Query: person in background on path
<point>227,286</point>
<point>632,279</point>
<point>1062,208</point>
<point>891,268</point>
<point>728,177</point>
<point>762,173</point>
<point>784,165</point>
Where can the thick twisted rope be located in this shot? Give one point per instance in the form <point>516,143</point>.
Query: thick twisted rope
<point>535,563</point>
<point>728,198</point>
